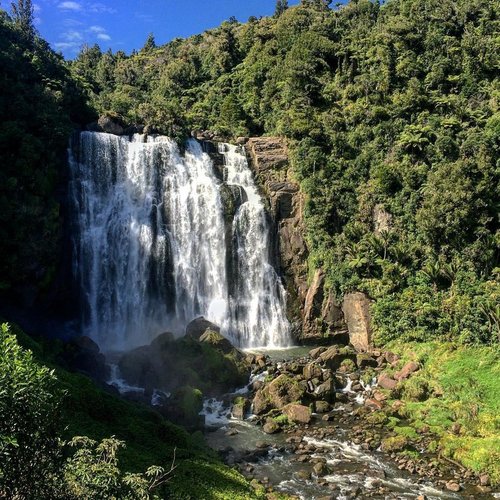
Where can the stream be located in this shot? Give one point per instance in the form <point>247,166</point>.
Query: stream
<point>288,461</point>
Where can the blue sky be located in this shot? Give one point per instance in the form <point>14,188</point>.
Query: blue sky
<point>125,24</point>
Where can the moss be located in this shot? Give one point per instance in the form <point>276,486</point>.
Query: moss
<point>394,443</point>
<point>406,431</point>
<point>377,418</point>
<point>281,420</point>
<point>416,388</point>
<point>348,365</point>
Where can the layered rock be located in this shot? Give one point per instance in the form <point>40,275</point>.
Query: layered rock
<point>356,309</point>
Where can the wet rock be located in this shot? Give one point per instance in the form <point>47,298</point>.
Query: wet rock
<point>163,341</point>
<point>297,413</point>
<point>271,427</point>
<point>407,370</point>
<point>110,125</point>
<point>356,309</point>
<point>196,328</point>
<point>320,469</point>
<point>261,445</point>
<point>240,407</point>
<point>305,475</point>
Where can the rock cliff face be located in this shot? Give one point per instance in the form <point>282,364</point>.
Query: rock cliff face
<point>315,314</point>
<point>269,159</point>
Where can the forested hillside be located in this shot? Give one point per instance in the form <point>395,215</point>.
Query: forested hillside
<point>39,105</point>
<point>391,112</point>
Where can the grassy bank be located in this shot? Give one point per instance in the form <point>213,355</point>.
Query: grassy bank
<point>149,438</point>
<point>456,396</point>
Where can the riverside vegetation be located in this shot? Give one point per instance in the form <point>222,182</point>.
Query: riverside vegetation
<point>391,117</point>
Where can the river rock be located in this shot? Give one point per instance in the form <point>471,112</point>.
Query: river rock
<point>317,351</point>
<point>284,390</point>
<point>240,407</point>
<point>312,370</point>
<point>453,486</point>
<point>320,469</point>
<point>386,382</point>
<point>321,407</point>
<point>326,391</point>
<point>364,360</point>
<point>196,328</point>
<point>271,427</point>
<point>407,370</point>
<point>261,403</point>
<point>356,309</point>
<point>297,413</point>
<point>333,356</point>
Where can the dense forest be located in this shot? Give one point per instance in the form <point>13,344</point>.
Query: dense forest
<point>391,115</point>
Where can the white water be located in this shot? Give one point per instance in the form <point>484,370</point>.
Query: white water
<point>152,247</point>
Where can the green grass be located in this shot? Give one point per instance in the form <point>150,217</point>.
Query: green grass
<point>463,403</point>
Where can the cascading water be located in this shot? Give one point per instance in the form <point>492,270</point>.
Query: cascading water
<point>159,239</point>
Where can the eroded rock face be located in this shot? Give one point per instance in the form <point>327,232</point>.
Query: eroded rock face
<point>315,314</point>
<point>269,160</point>
<point>356,309</point>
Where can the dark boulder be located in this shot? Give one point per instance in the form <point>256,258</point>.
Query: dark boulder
<point>110,125</point>
<point>199,326</point>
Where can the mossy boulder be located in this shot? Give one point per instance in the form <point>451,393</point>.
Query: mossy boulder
<point>185,406</point>
<point>209,363</point>
<point>196,328</point>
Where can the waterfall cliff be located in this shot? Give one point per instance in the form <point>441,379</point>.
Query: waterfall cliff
<point>161,237</point>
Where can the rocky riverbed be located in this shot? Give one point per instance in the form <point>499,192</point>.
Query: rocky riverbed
<point>326,424</point>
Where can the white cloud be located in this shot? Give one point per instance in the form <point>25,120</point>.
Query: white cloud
<point>66,45</point>
<point>70,6</point>
<point>101,8</point>
<point>97,29</point>
<point>36,8</point>
<point>104,37</point>
<point>72,36</point>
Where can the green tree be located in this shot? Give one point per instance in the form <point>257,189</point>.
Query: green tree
<point>29,423</point>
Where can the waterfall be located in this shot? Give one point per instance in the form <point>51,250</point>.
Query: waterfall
<point>161,237</point>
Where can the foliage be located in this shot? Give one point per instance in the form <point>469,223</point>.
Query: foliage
<point>29,422</point>
<point>38,102</point>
